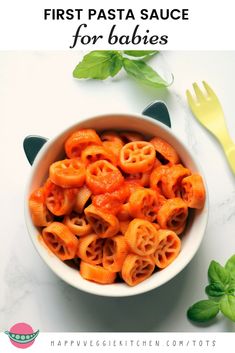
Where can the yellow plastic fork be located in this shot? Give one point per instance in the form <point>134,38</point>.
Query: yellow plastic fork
<point>208,111</point>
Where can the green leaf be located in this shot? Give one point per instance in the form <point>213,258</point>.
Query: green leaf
<point>218,273</point>
<point>139,53</point>
<point>142,72</point>
<point>230,266</point>
<point>203,311</point>
<point>227,306</point>
<point>99,65</point>
<point>231,289</point>
<point>215,289</point>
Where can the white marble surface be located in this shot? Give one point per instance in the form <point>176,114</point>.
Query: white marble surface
<point>39,96</point>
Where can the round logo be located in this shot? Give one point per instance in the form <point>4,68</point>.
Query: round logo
<point>22,335</point>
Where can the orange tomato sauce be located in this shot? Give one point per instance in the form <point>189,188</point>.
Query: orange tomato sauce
<point>117,206</point>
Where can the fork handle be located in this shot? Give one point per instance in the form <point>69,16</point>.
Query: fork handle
<point>228,145</point>
<point>229,148</point>
<point>230,154</point>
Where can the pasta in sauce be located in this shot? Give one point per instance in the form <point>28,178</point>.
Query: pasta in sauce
<point>116,206</point>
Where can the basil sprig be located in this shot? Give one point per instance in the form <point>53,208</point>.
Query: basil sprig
<point>221,293</point>
<point>101,64</point>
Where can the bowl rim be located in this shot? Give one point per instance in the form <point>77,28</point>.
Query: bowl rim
<point>101,290</point>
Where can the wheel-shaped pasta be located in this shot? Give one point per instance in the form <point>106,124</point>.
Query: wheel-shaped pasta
<point>69,173</point>
<point>112,202</point>
<point>102,176</point>
<point>133,185</point>
<point>193,191</point>
<point>181,229</point>
<point>173,215</point>
<point>78,224</point>
<point>157,163</point>
<point>124,212</point>
<point>90,249</point>
<point>60,240</point>
<point>105,225</point>
<point>59,201</point>
<point>93,153</point>
<point>117,204</point>
<point>144,203</point>
<point>112,141</point>
<point>114,253</point>
<point>80,140</point>
<point>136,269</point>
<point>41,216</point>
<point>123,226</point>
<point>137,157</point>
<point>157,177</point>
<point>96,274</point>
<point>142,237</point>
<point>122,193</point>
<point>82,197</point>
<point>168,248</point>
<point>107,203</point>
<point>171,181</point>
<point>140,178</point>
<point>164,151</point>
<point>111,136</point>
<point>156,225</point>
<point>131,136</point>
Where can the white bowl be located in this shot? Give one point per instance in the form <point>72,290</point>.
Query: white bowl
<point>53,150</point>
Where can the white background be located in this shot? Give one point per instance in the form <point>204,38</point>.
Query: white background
<point>39,96</point>
<point>211,24</point>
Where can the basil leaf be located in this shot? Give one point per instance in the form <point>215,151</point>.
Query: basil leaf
<point>139,53</point>
<point>215,289</point>
<point>218,273</point>
<point>142,72</point>
<point>230,266</point>
<point>203,311</point>
<point>231,289</point>
<point>99,65</point>
<point>227,306</point>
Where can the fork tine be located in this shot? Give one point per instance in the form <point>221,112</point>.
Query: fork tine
<point>190,99</point>
<point>199,94</point>
<point>209,90</point>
